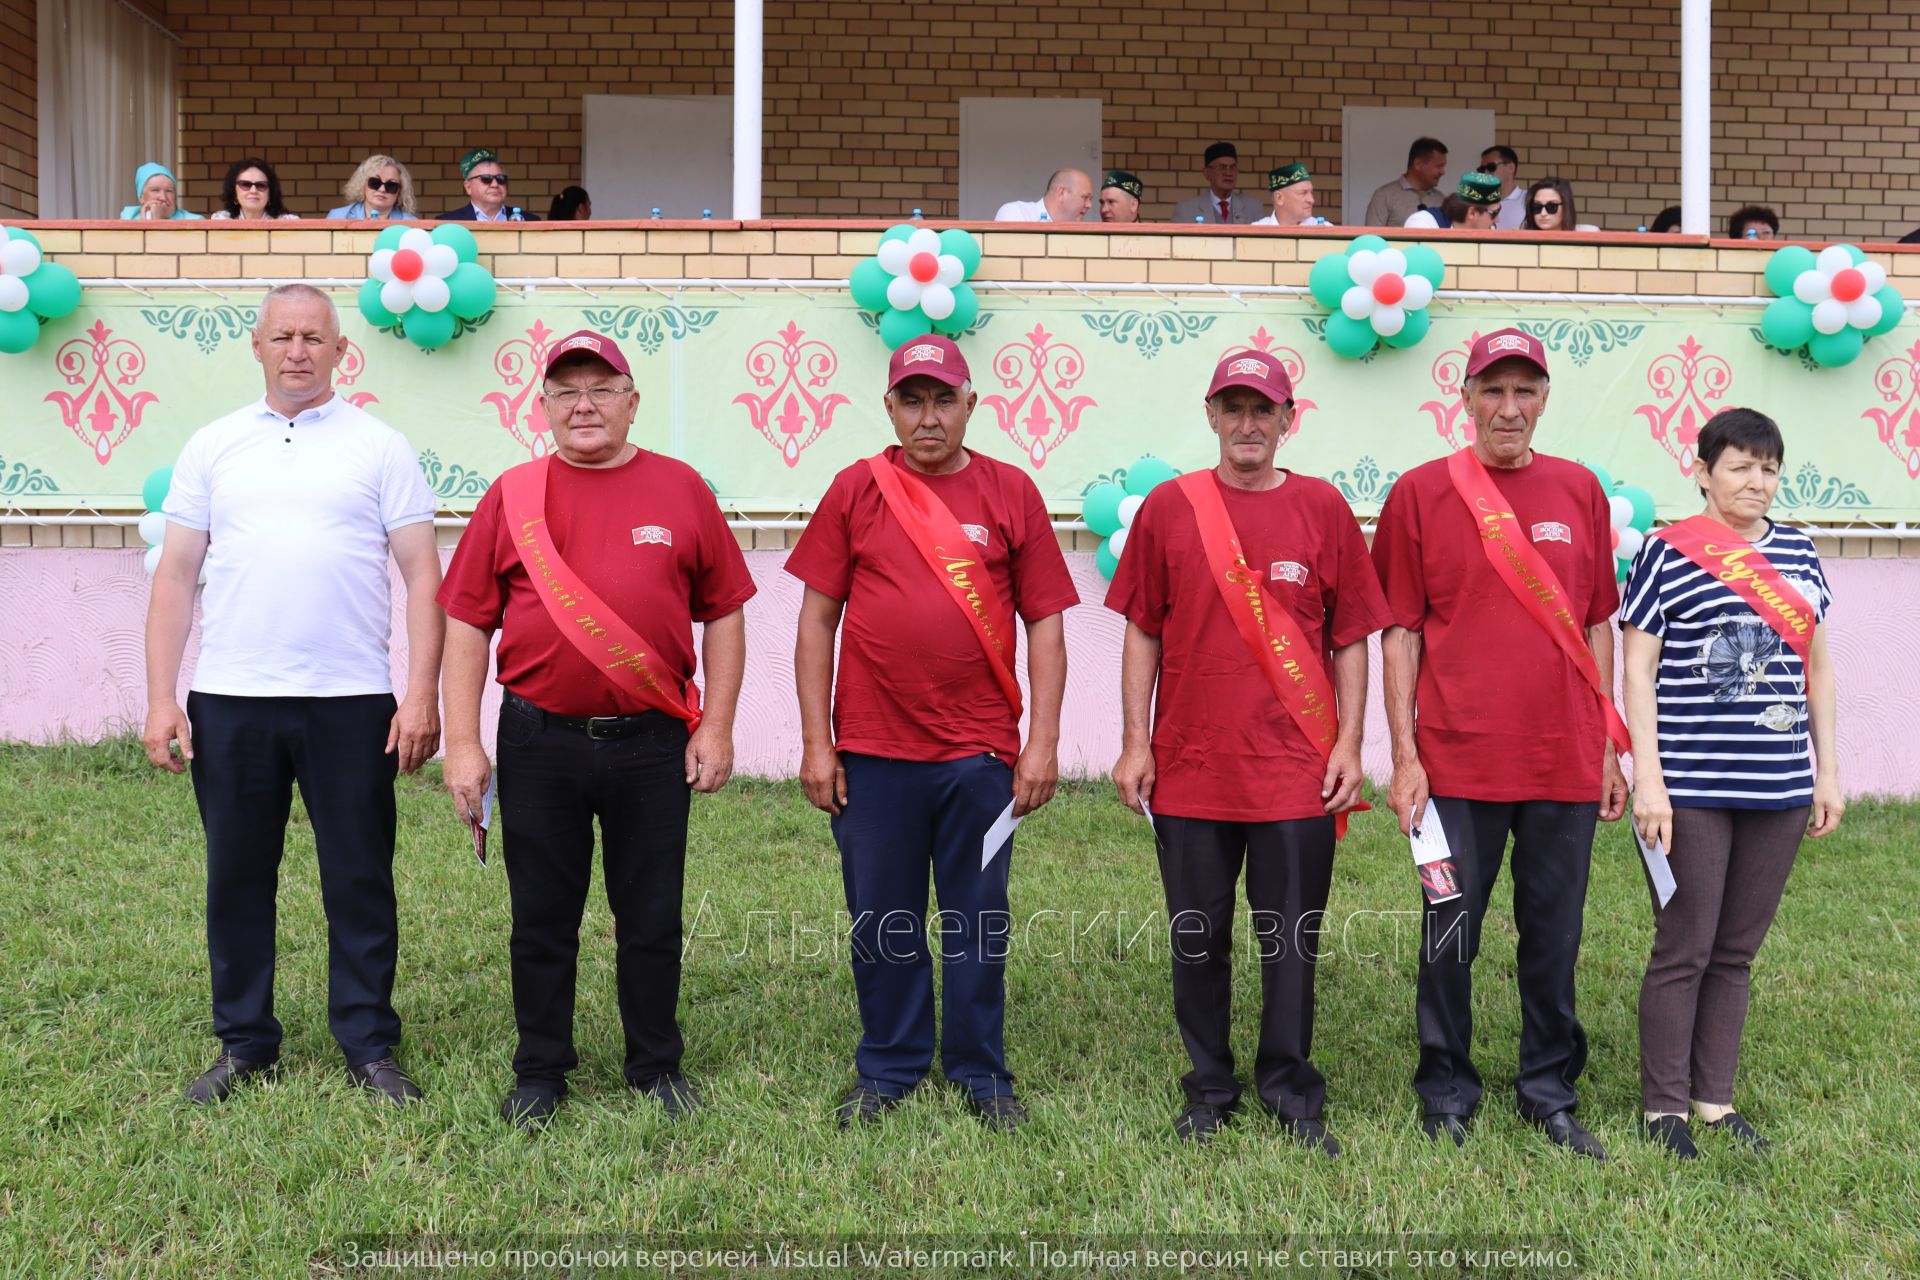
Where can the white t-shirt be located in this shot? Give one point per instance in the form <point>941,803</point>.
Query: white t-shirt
<point>1513,210</point>
<point>1023,211</point>
<point>297,601</point>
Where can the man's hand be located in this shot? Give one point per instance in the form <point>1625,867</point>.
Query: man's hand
<point>1133,777</point>
<point>1408,792</point>
<point>167,724</point>
<point>1653,813</point>
<point>415,731</point>
<point>1613,788</point>
<point>1828,805</point>
<point>1340,788</point>
<point>709,757</point>
<point>1035,775</point>
<point>823,778</point>
<point>466,772</point>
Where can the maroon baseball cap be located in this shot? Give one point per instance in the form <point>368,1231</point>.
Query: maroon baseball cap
<point>1256,370</point>
<point>587,342</point>
<point>1504,344</point>
<point>933,357</point>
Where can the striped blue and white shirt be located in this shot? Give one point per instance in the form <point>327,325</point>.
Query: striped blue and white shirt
<point>1732,696</point>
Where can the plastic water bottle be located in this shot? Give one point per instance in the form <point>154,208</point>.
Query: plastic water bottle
<point>656,211</point>
<point>918,216</point>
<point>706,213</point>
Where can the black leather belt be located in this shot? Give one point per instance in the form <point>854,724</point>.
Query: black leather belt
<point>599,728</point>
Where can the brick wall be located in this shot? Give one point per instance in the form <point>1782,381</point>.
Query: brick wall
<point>19,111</point>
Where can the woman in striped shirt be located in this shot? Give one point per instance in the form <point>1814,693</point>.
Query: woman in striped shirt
<point>1728,683</point>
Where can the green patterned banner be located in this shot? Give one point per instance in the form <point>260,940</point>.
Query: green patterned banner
<point>769,394</point>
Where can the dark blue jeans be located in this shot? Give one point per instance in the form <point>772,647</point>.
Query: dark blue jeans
<point>902,818</point>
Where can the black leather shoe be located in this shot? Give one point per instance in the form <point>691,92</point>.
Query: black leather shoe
<point>1311,1133</point>
<point>1671,1133</point>
<point>1439,1124</point>
<point>1200,1121</point>
<point>217,1081</point>
<point>1734,1125</point>
<point>530,1106</point>
<point>384,1079</point>
<point>1001,1112</point>
<point>675,1096</point>
<point>862,1105</point>
<point>1564,1131</point>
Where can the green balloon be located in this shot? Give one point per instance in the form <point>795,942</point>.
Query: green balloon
<point>1642,505</point>
<point>1600,474</point>
<point>1418,322</point>
<point>470,291</point>
<point>154,491</point>
<point>456,237</point>
<point>899,231</point>
<point>18,331</point>
<point>1329,280</point>
<point>1144,475</point>
<point>1349,338</point>
<point>1375,243</point>
<point>21,233</point>
<point>428,330</point>
<point>1831,350</point>
<point>52,291</point>
<point>390,238</point>
<point>966,309</point>
<point>1101,508</point>
<point>1787,323</point>
<point>1424,261</point>
<point>898,328</point>
<point>1106,561</point>
<point>1854,252</point>
<point>963,245</point>
<point>373,309</point>
<point>868,285</point>
<point>1784,267</point>
<point>1892,308</point>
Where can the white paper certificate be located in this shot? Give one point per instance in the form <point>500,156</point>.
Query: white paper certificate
<point>1429,838</point>
<point>1658,868</point>
<point>998,834</point>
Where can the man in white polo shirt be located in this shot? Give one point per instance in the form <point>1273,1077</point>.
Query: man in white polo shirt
<point>293,505</point>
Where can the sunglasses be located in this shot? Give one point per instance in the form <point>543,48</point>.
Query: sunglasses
<point>375,184</point>
<point>247,184</point>
<point>491,179</point>
<point>1545,206</point>
<point>1489,166</point>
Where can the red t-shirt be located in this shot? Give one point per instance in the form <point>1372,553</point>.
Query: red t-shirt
<point>913,682</point>
<point>1223,746</point>
<point>1502,713</point>
<point>646,536</point>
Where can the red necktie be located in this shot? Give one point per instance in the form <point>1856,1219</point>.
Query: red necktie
<point>1226,214</point>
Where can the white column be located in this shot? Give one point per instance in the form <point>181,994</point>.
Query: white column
<point>749,107</point>
<point>1696,116</point>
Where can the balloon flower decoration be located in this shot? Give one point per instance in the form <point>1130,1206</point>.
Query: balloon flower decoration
<point>917,282</point>
<point>31,290</point>
<point>1377,293</point>
<point>153,524</point>
<point>1830,304</point>
<point>1630,512</point>
<point>426,282</point>
<point>1109,508</point>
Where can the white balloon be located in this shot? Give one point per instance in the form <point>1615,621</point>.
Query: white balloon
<point>1388,321</point>
<point>151,560</point>
<point>1830,316</point>
<point>1128,506</point>
<point>430,293</point>
<point>936,300</point>
<point>1363,265</point>
<point>1876,276</point>
<point>952,271</point>
<point>415,239</point>
<point>13,293</point>
<point>924,240</point>
<point>441,260</point>
<point>1812,287</point>
<point>1357,301</point>
<point>1864,312</point>
<point>380,265</point>
<point>19,257</point>
<point>1833,259</point>
<point>904,293</point>
<point>1419,293</point>
<point>1631,540</point>
<point>397,296</point>
<point>1620,512</point>
<point>1117,541</point>
<point>1392,263</point>
<point>893,256</point>
<point>153,528</point>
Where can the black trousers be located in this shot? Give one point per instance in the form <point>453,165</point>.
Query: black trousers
<point>553,783</point>
<point>1552,849</point>
<point>1289,873</point>
<point>247,755</point>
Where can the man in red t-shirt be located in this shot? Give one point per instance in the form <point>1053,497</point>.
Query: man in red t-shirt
<point>599,715</point>
<point>1509,738</point>
<point>919,558</point>
<point>1229,775</point>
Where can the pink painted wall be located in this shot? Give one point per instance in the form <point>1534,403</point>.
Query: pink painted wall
<point>71,664</point>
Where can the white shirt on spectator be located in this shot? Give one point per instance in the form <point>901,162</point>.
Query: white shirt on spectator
<point>298,599</point>
<point>1513,210</point>
<point>1023,211</point>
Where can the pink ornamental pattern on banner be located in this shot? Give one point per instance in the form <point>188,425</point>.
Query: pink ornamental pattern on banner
<point>1693,381</point>
<point>1451,421</point>
<point>1040,371</point>
<point>353,363</point>
<point>518,362</point>
<point>1898,382</point>
<point>101,414</point>
<point>800,408</point>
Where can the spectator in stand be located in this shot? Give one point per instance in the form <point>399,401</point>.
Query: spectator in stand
<point>250,192</point>
<point>156,196</point>
<point>1069,196</point>
<point>486,184</point>
<point>1474,207</point>
<point>1292,189</point>
<point>1417,188</point>
<point>1668,219</point>
<point>1754,222</point>
<point>1120,195</point>
<point>380,188</point>
<point>1550,206</point>
<point>573,204</point>
<point>1504,164</point>
<point>1219,203</point>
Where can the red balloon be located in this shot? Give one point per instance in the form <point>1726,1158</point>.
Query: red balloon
<point>1389,289</point>
<point>924,267</point>
<point>1849,284</point>
<point>1615,535</point>
<point>407,265</point>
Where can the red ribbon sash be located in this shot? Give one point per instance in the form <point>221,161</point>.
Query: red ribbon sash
<point>1531,579</point>
<point>943,544</point>
<point>1734,562</point>
<point>1272,635</point>
<point>615,649</point>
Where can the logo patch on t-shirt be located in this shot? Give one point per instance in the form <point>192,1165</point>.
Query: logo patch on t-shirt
<point>923,352</point>
<point>975,533</point>
<point>1552,531</point>
<point>652,533</point>
<point>1288,571</point>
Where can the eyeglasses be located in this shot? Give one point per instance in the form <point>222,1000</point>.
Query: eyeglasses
<point>491,179</point>
<point>1544,206</point>
<point>567,397</point>
<point>375,184</point>
<point>1489,166</point>
<point>247,184</point>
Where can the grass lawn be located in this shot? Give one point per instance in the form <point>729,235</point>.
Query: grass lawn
<point>105,1171</point>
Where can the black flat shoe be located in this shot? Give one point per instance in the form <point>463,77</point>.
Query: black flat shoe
<point>1672,1133</point>
<point>385,1080</point>
<point>1311,1133</point>
<point>530,1106</point>
<point>675,1096</point>
<point>1200,1121</point>
<point>1439,1124</point>
<point>1564,1131</point>
<point>1000,1112</point>
<point>1734,1125</point>
<point>862,1105</point>
<point>217,1081</point>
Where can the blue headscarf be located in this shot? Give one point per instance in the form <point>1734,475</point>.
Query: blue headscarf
<point>145,174</point>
